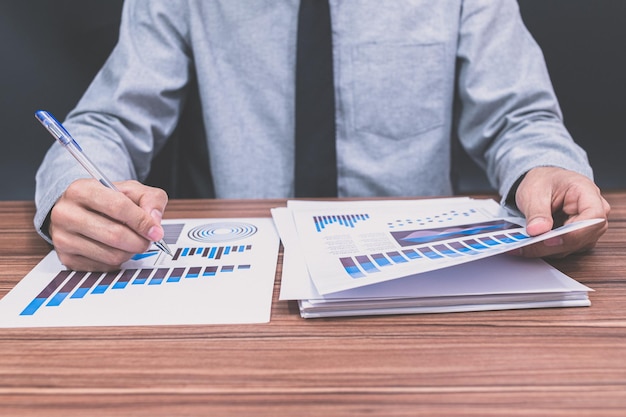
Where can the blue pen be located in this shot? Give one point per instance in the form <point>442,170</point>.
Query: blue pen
<point>57,130</point>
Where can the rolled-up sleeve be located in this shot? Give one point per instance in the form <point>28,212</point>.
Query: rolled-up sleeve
<point>131,107</point>
<point>509,119</point>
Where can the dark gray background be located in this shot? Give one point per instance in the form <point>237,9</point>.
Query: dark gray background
<point>52,49</point>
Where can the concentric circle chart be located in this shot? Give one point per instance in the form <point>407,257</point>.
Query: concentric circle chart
<point>222,232</point>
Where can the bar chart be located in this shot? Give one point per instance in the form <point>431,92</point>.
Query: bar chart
<point>76,285</point>
<point>361,266</point>
<point>200,283</point>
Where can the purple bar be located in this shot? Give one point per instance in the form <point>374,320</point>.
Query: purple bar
<point>210,271</point>
<point>176,275</point>
<point>142,276</point>
<point>104,284</point>
<point>124,279</point>
<point>86,285</point>
<point>158,276</point>
<point>351,268</point>
<point>66,289</point>
<point>193,272</point>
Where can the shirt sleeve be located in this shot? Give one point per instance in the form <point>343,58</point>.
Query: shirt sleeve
<point>509,119</point>
<point>131,107</point>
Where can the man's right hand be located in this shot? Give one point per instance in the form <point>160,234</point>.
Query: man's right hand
<point>94,228</point>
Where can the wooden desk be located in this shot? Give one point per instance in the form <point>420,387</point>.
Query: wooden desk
<point>547,362</point>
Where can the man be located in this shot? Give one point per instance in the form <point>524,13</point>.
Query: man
<point>408,77</point>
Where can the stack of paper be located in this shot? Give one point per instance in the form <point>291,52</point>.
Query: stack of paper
<point>414,256</point>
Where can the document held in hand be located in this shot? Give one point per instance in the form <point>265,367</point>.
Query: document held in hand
<point>411,249</point>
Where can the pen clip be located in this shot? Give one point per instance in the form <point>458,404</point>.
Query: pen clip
<point>54,127</point>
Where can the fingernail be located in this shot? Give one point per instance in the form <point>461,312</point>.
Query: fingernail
<point>553,241</point>
<point>155,233</point>
<point>157,215</point>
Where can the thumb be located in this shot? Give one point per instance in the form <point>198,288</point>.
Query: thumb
<point>536,205</point>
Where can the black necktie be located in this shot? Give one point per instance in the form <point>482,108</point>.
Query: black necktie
<point>316,160</point>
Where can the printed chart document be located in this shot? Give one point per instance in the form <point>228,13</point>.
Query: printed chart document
<point>382,257</point>
<point>222,272</point>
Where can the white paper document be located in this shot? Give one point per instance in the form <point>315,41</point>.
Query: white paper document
<point>382,257</point>
<point>351,244</point>
<point>222,272</point>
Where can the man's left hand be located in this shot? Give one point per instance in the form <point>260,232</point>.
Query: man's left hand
<point>550,197</point>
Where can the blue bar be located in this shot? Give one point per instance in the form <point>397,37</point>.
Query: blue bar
<point>519,236</point>
<point>411,254</point>
<point>212,253</point>
<point>142,277</point>
<point>33,306</point>
<point>474,244</point>
<point>429,253</point>
<point>193,272</point>
<point>462,248</point>
<point>396,257</point>
<point>158,277</point>
<point>351,268</point>
<point>489,241</point>
<point>176,274</point>
<point>185,252</point>
<point>367,264</point>
<point>505,239</point>
<point>66,289</point>
<point>226,250</point>
<point>84,288</point>
<point>210,271</point>
<point>124,279</point>
<point>447,251</point>
<point>380,259</point>
<point>104,284</point>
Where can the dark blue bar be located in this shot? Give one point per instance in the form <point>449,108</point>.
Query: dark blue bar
<point>519,236</point>
<point>446,251</point>
<point>474,244</point>
<point>505,239</point>
<point>193,272</point>
<point>142,276</point>
<point>351,268</point>
<point>104,284</point>
<point>210,271</point>
<point>86,285</point>
<point>429,253</point>
<point>411,254</point>
<point>176,275</point>
<point>66,289</point>
<point>458,246</point>
<point>380,259</point>
<point>159,276</point>
<point>489,241</point>
<point>367,264</point>
<point>396,257</point>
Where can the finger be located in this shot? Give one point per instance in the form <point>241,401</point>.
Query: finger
<point>151,200</point>
<point>536,205</point>
<point>118,207</point>
<point>100,253</point>
<point>560,246</point>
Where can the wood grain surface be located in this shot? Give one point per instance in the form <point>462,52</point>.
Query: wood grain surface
<point>544,362</point>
